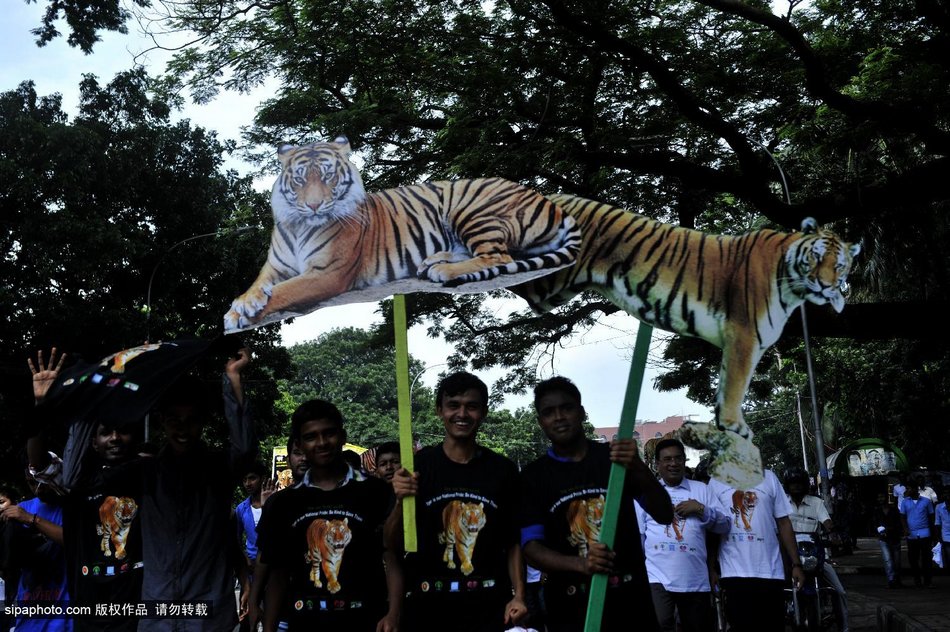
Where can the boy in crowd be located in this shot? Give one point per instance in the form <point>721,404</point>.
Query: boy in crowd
<point>387,460</point>
<point>562,501</point>
<point>297,462</point>
<point>248,512</point>
<point>322,539</point>
<point>34,540</point>
<point>468,574</point>
<point>189,550</point>
<point>677,563</point>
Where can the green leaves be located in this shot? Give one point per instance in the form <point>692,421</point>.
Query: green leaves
<point>346,367</point>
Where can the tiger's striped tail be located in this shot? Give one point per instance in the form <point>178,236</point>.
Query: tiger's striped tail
<point>564,252</point>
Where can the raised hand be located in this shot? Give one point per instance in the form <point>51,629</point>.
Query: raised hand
<point>238,363</point>
<point>44,373</point>
<point>268,487</point>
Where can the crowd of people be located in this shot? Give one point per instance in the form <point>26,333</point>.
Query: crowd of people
<point>496,548</point>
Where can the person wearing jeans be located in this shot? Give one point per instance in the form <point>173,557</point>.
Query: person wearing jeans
<point>887,522</point>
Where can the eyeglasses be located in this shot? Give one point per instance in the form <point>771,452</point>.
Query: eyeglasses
<point>680,458</point>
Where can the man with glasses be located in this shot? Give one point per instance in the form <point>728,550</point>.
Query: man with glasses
<point>676,557</point>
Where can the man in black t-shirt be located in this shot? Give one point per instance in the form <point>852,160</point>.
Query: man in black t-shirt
<point>467,575</point>
<point>562,504</point>
<point>322,539</point>
<point>101,528</point>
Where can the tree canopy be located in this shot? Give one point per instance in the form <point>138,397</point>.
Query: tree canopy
<point>99,213</point>
<point>671,108</point>
<point>354,369</point>
<point>347,368</point>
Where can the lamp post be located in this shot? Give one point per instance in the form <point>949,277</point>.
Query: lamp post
<point>412,384</point>
<point>151,278</point>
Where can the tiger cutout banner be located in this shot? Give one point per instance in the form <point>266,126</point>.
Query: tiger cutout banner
<point>333,243</point>
<point>736,292</point>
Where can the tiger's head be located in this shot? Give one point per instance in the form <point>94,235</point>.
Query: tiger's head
<point>125,510</point>
<point>317,184</point>
<point>472,517</point>
<point>595,510</point>
<point>338,534</point>
<point>818,265</point>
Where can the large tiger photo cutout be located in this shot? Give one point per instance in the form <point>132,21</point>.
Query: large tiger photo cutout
<point>331,238</point>
<point>736,292</point>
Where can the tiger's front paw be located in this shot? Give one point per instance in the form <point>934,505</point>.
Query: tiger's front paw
<point>433,263</point>
<point>247,308</point>
<point>438,273</point>
<point>467,568</point>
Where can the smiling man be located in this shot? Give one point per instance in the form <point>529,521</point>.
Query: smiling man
<point>322,539</point>
<point>676,553</point>
<point>468,574</point>
<point>186,501</point>
<point>562,504</point>
<point>91,506</point>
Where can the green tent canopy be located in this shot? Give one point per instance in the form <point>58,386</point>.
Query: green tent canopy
<point>867,457</point>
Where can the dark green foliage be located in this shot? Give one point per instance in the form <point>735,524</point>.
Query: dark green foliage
<point>663,107</point>
<point>97,212</point>
<point>346,368</point>
<point>85,19</point>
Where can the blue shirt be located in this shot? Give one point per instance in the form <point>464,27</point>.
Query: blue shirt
<point>246,524</point>
<point>918,514</point>
<point>44,579</point>
<point>943,521</point>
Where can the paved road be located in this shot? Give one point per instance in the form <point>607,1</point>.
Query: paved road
<point>863,577</point>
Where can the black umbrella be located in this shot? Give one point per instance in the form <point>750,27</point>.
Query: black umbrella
<point>123,386</point>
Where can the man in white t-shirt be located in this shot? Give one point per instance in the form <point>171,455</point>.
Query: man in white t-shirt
<point>926,490</point>
<point>809,515</point>
<point>752,574</point>
<point>676,553</point>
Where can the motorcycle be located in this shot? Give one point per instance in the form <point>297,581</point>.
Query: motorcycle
<point>811,607</point>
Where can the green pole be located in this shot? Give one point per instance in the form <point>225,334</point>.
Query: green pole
<point>405,418</point>
<point>608,529</point>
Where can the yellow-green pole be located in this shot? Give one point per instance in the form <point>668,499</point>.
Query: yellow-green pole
<point>405,418</point>
<point>608,528</point>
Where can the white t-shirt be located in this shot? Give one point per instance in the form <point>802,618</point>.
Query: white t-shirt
<point>928,492</point>
<point>752,548</point>
<point>808,516</point>
<point>676,553</point>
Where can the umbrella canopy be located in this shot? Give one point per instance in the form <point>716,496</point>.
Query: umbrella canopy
<point>123,386</point>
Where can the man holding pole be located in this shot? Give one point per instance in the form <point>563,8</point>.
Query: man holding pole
<point>467,575</point>
<point>563,499</point>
